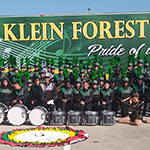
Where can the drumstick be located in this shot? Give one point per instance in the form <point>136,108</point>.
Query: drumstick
<point>127,98</point>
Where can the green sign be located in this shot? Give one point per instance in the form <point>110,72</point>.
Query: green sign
<point>75,35</point>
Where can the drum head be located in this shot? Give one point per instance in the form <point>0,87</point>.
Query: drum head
<point>73,112</point>
<point>57,113</point>
<point>107,112</point>
<point>91,112</point>
<point>37,116</point>
<point>16,115</point>
<point>2,115</point>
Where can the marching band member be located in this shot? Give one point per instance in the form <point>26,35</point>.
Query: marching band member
<point>106,96</point>
<point>137,106</point>
<point>114,102</point>
<point>88,74</point>
<point>37,91</point>
<point>130,74</point>
<point>77,95</point>
<point>2,73</point>
<point>140,88</point>
<point>101,83</point>
<point>10,73</point>
<point>117,76</point>
<point>82,77</point>
<point>53,74</point>
<point>19,94</point>
<point>6,93</point>
<point>96,96</point>
<point>86,102</point>
<point>30,72</point>
<point>49,68</point>
<point>42,76</point>
<point>29,94</point>
<point>59,77</point>
<point>96,66</point>
<point>49,92</point>
<point>60,81</point>
<point>66,95</point>
<point>124,92</point>
<point>36,70</point>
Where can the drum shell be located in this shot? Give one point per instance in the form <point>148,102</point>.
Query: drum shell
<point>91,118</point>
<point>44,113</point>
<point>3,112</point>
<point>58,118</point>
<point>73,117</point>
<point>107,118</point>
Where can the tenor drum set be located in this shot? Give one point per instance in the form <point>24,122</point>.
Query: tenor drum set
<point>39,115</point>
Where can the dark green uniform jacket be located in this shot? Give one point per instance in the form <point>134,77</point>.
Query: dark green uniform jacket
<point>6,95</point>
<point>88,98</point>
<point>108,97</point>
<point>77,98</point>
<point>96,99</point>
<point>20,95</point>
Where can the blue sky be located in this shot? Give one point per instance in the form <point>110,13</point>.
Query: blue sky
<point>37,7</point>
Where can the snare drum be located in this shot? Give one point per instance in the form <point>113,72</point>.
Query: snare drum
<point>17,115</point>
<point>91,118</point>
<point>38,115</point>
<point>58,118</point>
<point>3,112</point>
<point>73,117</point>
<point>107,118</point>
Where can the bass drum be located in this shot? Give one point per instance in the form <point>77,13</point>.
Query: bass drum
<point>91,118</point>
<point>107,118</point>
<point>58,118</point>
<point>73,117</point>
<point>38,115</point>
<point>17,115</point>
<point>3,112</point>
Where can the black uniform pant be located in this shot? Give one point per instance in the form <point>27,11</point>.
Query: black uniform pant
<point>115,106</point>
<point>95,107</point>
<point>76,107</point>
<point>84,108</point>
<point>66,106</point>
<point>49,107</point>
<point>124,109</point>
<point>106,107</point>
<point>58,103</point>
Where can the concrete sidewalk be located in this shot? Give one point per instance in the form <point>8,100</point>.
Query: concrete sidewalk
<point>116,137</point>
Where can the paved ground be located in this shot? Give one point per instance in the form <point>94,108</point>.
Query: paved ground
<point>116,137</point>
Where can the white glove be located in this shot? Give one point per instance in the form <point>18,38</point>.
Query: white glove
<point>50,102</point>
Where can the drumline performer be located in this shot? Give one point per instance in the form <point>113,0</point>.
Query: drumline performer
<point>36,90</point>
<point>19,94</point>
<point>123,93</point>
<point>96,96</point>
<point>86,102</point>
<point>66,96</point>
<point>77,95</point>
<point>106,96</point>
<point>6,93</point>
<point>49,92</point>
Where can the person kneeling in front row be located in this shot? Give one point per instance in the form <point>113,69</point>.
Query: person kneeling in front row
<point>137,107</point>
